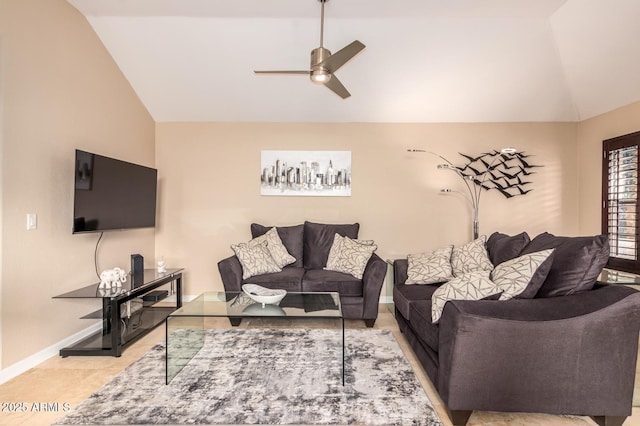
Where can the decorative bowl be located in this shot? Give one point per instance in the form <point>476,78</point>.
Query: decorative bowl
<point>263,295</point>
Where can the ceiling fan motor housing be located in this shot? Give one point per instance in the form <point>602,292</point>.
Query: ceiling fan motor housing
<point>319,73</point>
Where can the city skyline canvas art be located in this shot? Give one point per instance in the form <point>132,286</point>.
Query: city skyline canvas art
<point>305,173</point>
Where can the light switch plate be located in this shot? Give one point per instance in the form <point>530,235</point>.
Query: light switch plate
<point>32,221</point>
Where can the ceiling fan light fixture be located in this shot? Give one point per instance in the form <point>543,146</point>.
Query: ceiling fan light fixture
<point>324,65</point>
<point>320,76</point>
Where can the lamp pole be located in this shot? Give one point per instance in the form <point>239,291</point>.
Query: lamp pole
<point>473,183</point>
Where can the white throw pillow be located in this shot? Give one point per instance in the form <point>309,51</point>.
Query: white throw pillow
<point>274,244</point>
<point>472,286</point>
<point>352,257</point>
<point>430,267</point>
<point>471,257</point>
<point>336,251</point>
<point>255,260</point>
<point>513,276</point>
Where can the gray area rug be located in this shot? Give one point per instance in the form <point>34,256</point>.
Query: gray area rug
<point>267,376</point>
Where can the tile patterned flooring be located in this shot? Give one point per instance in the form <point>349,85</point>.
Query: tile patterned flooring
<point>58,382</point>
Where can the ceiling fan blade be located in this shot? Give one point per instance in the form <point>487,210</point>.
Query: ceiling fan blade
<point>342,56</point>
<point>282,72</point>
<point>337,87</point>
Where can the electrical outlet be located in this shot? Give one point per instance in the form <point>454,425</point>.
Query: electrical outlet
<point>32,221</point>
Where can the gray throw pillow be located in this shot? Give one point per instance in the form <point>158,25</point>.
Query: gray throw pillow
<point>577,262</point>
<point>318,239</point>
<point>502,247</point>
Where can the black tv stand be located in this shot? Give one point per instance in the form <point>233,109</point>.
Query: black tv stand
<point>126,314</point>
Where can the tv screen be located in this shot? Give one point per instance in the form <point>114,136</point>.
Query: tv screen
<point>112,194</point>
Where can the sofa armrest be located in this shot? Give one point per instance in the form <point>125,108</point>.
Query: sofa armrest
<point>538,357</point>
<point>372,279</point>
<point>231,273</point>
<point>400,267</point>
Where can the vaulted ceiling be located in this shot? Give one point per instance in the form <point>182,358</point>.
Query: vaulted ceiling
<point>425,60</point>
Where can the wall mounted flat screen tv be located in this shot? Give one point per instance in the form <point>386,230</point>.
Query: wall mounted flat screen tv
<point>111,194</point>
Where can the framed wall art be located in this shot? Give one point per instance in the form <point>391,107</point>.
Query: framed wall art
<point>305,173</point>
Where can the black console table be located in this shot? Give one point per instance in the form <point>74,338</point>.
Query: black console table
<point>128,312</point>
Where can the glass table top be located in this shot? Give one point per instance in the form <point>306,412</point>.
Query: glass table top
<point>239,304</point>
<point>93,291</point>
<point>610,276</point>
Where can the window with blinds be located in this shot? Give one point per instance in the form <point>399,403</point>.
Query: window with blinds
<point>620,201</point>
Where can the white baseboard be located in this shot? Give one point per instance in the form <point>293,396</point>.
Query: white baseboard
<point>386,299</point>
<point>20,367</point>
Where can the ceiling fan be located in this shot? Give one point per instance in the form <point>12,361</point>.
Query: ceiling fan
<point>324,64</point>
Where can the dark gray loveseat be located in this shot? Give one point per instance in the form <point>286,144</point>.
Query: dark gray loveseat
<point>310,243</point>
<point>569,350</point>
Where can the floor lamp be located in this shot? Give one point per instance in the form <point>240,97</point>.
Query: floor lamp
<point>475,179</point>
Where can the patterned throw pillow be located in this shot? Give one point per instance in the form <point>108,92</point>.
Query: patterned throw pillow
<point>430,268</point>
<point>352,257</point>
<point>472,286</point>
<point>471,257</point>
<point>523,276</point>
<point>274,244</point>
<point>336,251</point>
<point>255,260</point>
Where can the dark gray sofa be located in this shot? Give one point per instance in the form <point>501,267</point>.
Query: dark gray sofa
<point>569,350</point>
<point>310,243</point>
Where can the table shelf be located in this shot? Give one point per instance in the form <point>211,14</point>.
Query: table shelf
<point>125,315</point>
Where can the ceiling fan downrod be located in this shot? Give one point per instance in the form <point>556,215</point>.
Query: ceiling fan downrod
<point>322,2</point>
<point>320,74</point>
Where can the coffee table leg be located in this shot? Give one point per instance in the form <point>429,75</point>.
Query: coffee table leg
<point>342,351</point>
<point>166,352</point>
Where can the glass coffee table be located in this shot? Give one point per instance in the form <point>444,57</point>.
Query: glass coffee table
<point>185,327</point>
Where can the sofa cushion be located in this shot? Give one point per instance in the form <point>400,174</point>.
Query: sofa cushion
<point>352,257</point>
<point>255,259</point>
<point>405,295</point>
<point>576,264</point>
<point>290,279</point>
<point>291,237</point>
<point>471,257</point>
<point>277,250</point>
<point>422,326</point>
<point>318,239</point>
<point>324,281</point>
<point>502,247</point>
<point>430,268</point>
<point>523,276</point>
<point>474,285</point>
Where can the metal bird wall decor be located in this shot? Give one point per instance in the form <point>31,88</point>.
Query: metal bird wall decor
<point>506,172</point>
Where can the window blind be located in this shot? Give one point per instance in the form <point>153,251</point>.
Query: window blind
<point>620,218</point>
<point>623,197</point>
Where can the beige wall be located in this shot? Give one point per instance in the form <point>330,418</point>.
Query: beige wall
<point>61,90</point>
<point>591,133</point>
<point>210,186</point>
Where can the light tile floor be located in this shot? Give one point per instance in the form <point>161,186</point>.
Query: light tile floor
<point>46,390</point>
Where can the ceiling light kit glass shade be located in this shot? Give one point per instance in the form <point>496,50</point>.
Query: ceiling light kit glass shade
<point>500,170</point>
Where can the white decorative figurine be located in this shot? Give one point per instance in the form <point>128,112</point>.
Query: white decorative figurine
<point>162,266</point>
<point>112,278</point>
